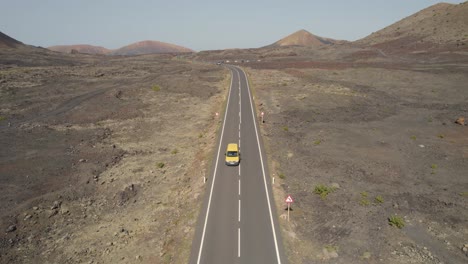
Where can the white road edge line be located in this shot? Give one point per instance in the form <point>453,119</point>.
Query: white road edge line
<point>238,242</point>
<point>214,175</point>
<point>263,171</point>
<point>239,187</point>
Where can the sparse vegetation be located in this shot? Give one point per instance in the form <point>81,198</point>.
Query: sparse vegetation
<point>441,136</point>
<point>364,201</point>
<point>156,88</point>
<point>160,165</point>
<point>366,255</point>
<point>317,142</point>
<point>2,118</point>
<point>331,248</point>
<point>379,199</point>
<point>323,190</point>
<point>200,135</point>
<point>281,175</point>
<point>433,168</point>
<point>285,128</point>
<point>174,151</point>
<point>464,194</point>
<point>396,221</point>
<point>413,137</point>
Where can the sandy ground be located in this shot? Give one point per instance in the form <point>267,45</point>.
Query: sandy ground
<point>379,141</point>
<point>102,158</point>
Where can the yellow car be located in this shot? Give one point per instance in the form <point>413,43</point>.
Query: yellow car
<point>232,155</point>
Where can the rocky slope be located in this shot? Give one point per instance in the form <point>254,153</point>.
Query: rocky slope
<point>7,41</point>
<point>438,25</point>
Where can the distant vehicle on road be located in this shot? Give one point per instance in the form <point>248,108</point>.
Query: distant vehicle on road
<point>232,155</point>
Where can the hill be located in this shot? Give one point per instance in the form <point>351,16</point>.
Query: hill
<point>440,25</point>
<point>304,38</point>
<point>149,47</point>
<point>7,41</point>
<point>80,48</point>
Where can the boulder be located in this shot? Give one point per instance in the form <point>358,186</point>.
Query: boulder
<point>460,121</point>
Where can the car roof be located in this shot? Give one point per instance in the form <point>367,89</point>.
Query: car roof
<point>232,147</point>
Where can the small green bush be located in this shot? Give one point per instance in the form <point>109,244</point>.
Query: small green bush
<point>175,151</point>
<point>396,221</point>
<point>413,137</point>
<point>323,190</point>
<point>317,142</point>
<point>331,248</point>
<point>281,175</point>
<point>156,88</point>
<point>364,202</point>
<point>441,136</point>
<point>160,165</point>
<point>285,128</point>
<point>379,199</point>
<point>2,118</point>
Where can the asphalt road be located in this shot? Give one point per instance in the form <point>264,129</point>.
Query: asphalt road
<point>237,223</point>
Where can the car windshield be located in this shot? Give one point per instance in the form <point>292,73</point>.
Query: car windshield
<point>232,153</point>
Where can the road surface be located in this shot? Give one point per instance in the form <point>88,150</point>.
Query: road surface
<point>237,223</point>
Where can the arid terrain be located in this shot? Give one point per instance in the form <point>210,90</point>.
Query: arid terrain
<point>371,141</point>
<point>381,141</point>
<point>103,157</point>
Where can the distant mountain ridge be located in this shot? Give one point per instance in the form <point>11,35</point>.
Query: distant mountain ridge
<point>137,48</point>
<point>306,39</point>
<point>82,48</point>
<point>150,46</point>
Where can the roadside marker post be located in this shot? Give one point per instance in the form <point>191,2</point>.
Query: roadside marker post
<point>262,114</point>
<point>289,201</point>
<point>217,115</point>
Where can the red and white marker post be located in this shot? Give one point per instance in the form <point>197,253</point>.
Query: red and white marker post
<point>289,201</point>
<point>262,114</point>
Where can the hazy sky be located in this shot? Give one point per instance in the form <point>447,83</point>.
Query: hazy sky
<point>196,24</point>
